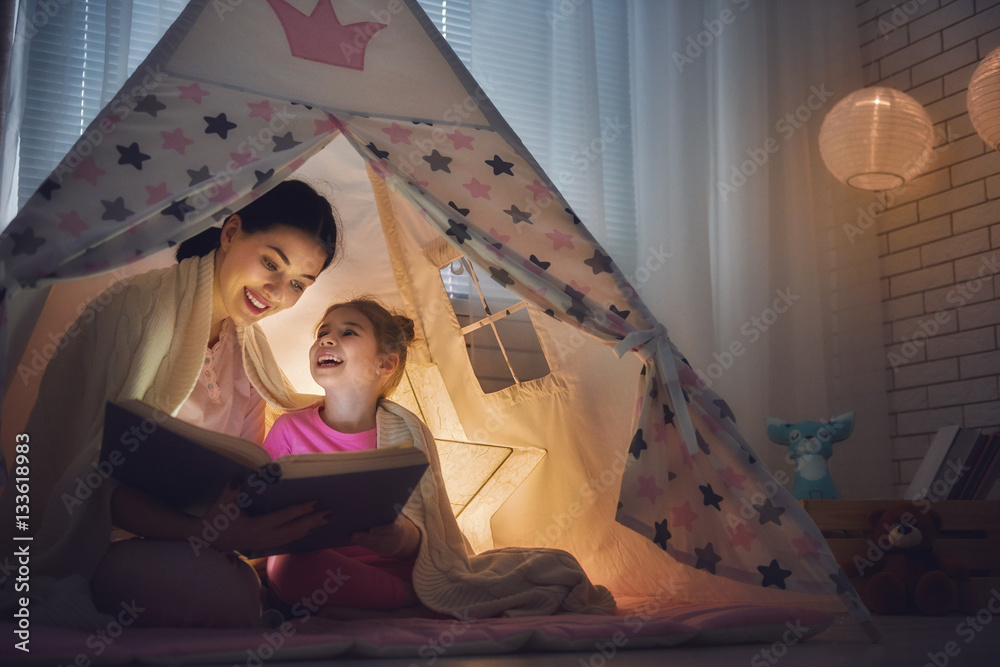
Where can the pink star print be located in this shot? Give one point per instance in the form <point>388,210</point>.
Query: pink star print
<point>225,193</point>
<point>261,110</point>
<point>582,289</point>
<point>72,223</point>
<point>741,537</point>
<point>460,140</point>
<point>193,92</point>
<point>648,488</point>
<point>241,159</point>
<point>327,125</point>
<point>89,171</point>
<point>683,516</point>
<point>659,432</point>
<point>560,240</point>
<point>477,189</point>
<point>398,134</point>
<point>807,546</point>
<point>175,140</point>
<point>731,478</point>
<point>539,190</point>
<point>157,193</point>
<point>502,238</point>
<point>686,457</point>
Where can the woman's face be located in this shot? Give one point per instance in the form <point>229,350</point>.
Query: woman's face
<point>262,273</point>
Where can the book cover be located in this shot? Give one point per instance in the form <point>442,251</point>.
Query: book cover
<point>954,472</point>
<point>971,468</point>
<point>988,471</point>
<point>188,467</point>
<point>924,477</point>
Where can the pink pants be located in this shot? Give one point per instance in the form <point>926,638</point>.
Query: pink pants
<point>346,577</point>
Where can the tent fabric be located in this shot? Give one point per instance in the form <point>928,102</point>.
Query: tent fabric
<point>209,122</point>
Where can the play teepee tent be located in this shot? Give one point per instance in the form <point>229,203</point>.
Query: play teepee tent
<point>654,488</point>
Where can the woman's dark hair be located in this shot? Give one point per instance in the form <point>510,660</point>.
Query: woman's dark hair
<point>290,203</point>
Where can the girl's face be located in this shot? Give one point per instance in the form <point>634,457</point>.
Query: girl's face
<point>259,274</point>
<point>345,353</point>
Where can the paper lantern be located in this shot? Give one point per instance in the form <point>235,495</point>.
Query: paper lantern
<point>877,139</point>
<point>983,99</point>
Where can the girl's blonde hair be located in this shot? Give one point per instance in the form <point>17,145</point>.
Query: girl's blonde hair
<point>394,333</point>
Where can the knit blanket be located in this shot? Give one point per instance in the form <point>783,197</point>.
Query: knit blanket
<point>448,578</point>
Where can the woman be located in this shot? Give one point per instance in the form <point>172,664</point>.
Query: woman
<point>183,340</point>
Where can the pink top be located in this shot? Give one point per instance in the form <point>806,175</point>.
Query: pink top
<point>224,400</point>
<point>303,432</point>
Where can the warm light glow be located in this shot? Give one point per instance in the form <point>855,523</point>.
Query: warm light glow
<point>479,477</point>
<point>983,99</point>
<point>877,139</point>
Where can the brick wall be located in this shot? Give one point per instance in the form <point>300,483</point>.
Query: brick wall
<point>939,235</point>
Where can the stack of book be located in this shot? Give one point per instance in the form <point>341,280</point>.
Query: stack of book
<point>961,464</point>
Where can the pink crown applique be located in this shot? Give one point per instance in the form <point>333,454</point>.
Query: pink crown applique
<point>322,38</point>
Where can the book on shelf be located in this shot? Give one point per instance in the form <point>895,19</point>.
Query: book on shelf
<point>986,471</point>
<point>188,467</point>
<point>926,473</point>
<point>960,464</point>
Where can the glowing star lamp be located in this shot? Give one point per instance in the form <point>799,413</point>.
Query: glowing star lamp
<point>877,139</point>
<point>983,99</point>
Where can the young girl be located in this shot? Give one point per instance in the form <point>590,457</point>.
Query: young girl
<point>357,358</point>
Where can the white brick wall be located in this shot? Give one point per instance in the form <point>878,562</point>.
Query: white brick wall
<point>939,237</point>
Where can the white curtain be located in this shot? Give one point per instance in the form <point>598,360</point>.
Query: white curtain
<point>771,301</point>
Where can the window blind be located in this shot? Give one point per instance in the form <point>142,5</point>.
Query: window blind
<point>76,61</point>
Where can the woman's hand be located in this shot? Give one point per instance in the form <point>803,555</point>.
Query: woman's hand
<point>399,539</point>
<point>264,533</point>
<point>224,527</point>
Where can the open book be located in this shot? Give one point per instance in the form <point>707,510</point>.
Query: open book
<point>188,467</point>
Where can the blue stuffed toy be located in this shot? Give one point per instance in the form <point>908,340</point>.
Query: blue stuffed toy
<point>810,444</point>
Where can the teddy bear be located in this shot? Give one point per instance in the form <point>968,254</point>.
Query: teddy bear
<point>810,444</point>
<point>900,572</point>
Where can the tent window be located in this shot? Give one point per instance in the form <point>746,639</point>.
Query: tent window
<point>499,336</point>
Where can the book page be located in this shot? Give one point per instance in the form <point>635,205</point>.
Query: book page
<point>333,463</point>
<point>243,451</point>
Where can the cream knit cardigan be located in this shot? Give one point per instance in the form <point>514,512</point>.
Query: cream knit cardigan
<point>509,582</point>
<point>145,339</point>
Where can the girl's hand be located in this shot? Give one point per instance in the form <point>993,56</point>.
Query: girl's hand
<point>238,531</point>
<point>399,539</point>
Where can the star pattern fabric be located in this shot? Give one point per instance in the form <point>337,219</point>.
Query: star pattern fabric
<point>192,150</point>
<point>173,163</point>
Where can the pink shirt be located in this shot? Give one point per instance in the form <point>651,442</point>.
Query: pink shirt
<point>224,400</point>
<point>304,432</point>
